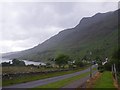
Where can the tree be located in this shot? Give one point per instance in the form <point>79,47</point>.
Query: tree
<point>79,63</point>
<point>116,59</point>
<point>16,62</point>
<point>62,60</point>
<point>99,62</point>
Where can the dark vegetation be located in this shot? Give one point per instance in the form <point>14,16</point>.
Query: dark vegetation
<point>15,62</point>
<point>62,60</point>
<point>116,61</point>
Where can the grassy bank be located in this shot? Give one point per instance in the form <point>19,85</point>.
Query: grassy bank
<point>105,81</point>
<point>28,78</point>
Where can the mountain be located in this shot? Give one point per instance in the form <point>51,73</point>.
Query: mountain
<point>91,33</point>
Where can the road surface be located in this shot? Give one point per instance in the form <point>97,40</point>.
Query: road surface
<point>33,84</point>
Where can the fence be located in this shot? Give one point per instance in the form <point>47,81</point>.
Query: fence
<point>116,74</point>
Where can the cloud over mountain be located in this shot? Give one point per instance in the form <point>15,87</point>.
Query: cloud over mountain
<point>26,24</point>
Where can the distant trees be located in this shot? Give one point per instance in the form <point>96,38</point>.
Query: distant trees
<point>5,64</point>
<point>16,62</point>
<point>79,63</point>
<point>62,60</point>
<point>116,59</point>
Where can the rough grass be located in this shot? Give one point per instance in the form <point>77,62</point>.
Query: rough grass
<point>105,81</point>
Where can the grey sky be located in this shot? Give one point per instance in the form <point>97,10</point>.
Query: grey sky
<point>26,24</point>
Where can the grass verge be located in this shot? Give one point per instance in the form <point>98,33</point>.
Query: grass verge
<point>105,81</point>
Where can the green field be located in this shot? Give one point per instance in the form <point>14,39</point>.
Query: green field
<point>105,81</point>
<point>27,78</point>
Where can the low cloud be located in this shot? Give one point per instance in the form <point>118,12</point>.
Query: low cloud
<point>27,24</point>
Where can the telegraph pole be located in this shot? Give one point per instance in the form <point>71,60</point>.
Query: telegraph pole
<point>91,65</point>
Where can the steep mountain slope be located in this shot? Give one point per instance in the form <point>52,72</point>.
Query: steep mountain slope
<point>90,33</point>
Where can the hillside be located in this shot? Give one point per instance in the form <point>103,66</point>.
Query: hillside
<point>100,30</point>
